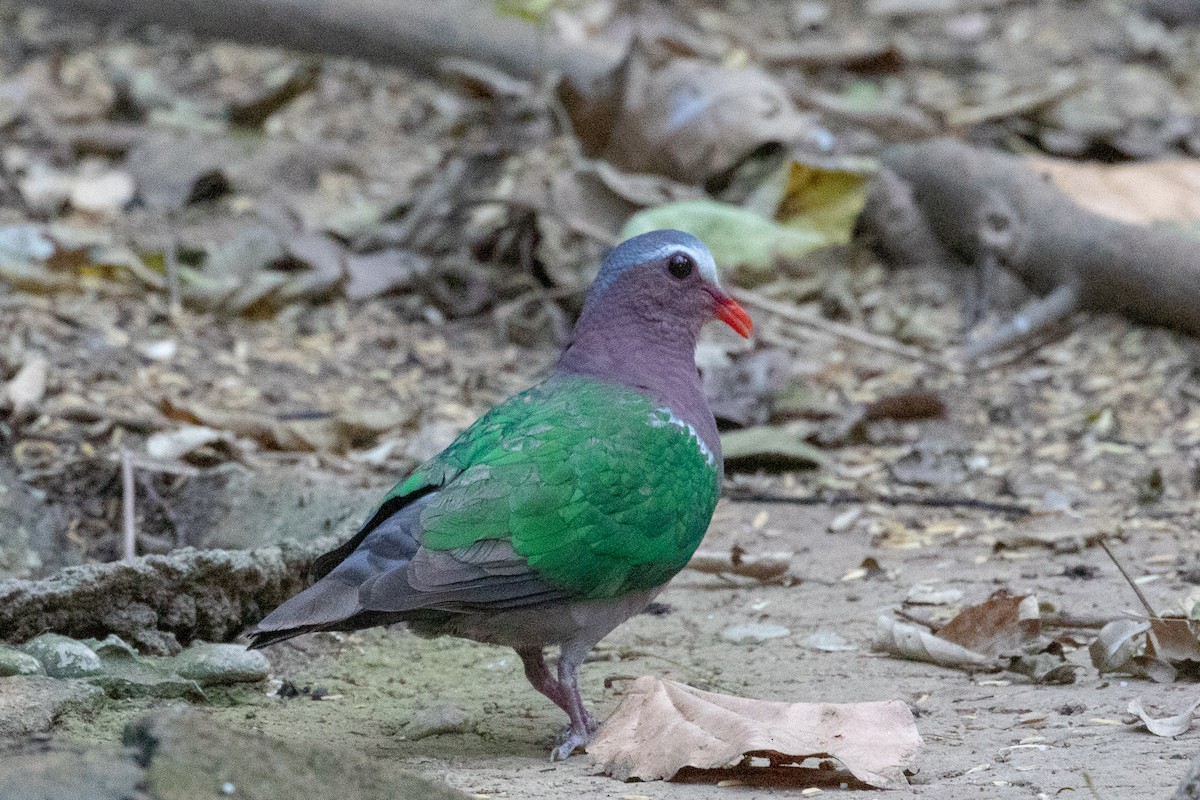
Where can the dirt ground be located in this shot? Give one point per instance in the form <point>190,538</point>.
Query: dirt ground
<point>989,735</point>
<point>321,399</point>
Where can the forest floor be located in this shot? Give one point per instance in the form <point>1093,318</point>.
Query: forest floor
<point>1094,434</point>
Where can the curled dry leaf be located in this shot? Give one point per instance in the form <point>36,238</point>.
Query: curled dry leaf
<point>1164,726</point>
<point>1123,646</point>
<point>264,429</point>
<point>918,644</point>
<point>1004,632</point>
<point>662,727</point>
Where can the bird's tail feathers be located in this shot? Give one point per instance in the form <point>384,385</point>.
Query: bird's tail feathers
<point>323,606</point>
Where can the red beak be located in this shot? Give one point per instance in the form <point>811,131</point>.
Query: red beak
<point>732,314</point>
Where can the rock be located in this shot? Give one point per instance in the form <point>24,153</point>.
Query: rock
<point>31,703</point>
<point>69,773</point>
<point>62,656</point>
<point>436,720</point>
<point>753,632</point>
<point>125,673</point>
<point>16,662</point>
<point>189,755</point>
<point>190,594</point>
<point>27,528</point>
<point>214,664</point>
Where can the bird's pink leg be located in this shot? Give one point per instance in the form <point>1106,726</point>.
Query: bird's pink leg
<point>582,724</point>
<point>540,678</point>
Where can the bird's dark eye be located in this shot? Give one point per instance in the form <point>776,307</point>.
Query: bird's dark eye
<point>681,265</point>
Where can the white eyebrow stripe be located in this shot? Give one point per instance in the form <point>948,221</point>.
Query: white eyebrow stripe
<point>703,259</point>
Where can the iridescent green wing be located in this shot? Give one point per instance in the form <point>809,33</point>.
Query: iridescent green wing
<point>600,492</point>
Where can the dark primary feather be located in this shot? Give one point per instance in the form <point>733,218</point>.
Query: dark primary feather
<point>389,577</point>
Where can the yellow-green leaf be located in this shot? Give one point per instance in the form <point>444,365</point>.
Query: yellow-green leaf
<point>826,199</point>
<point>737,237</point>
<point>534,11</point>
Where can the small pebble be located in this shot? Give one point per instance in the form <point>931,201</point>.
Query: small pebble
<point>211,664</point>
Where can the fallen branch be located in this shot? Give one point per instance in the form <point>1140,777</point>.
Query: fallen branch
<point>973,199</point>
<point>160,602</point>
<point>405,33</point>
<point>622,101</point>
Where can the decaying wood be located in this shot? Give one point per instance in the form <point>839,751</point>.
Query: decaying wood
<point>973,200</point>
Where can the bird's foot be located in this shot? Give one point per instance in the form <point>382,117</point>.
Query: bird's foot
<point>571,740</point>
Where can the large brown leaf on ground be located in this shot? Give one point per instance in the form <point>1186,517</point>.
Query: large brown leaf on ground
<point>1140,193</point>
<point>662,727</point>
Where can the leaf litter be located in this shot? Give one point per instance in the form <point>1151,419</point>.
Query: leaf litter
<point>1002,633</point>
<point>663,727</point>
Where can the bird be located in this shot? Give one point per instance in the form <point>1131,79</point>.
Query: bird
<point>562,511</point>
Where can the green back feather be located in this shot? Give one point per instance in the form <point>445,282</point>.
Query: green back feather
<point>593,485</point>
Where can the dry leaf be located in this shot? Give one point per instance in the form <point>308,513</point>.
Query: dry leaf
<point>687,119</point>
<point>1004,632</point>
<point>264,429</point>
<point>1060,532</point>
<point>1174,639</point>
<point>1164,726</point>
<point>1001,626</point>
<point>171,445</point>
<point>918,644</point>
<point>1122,646</point>
<point>594,196</point>
<point>736,561</point>
<point>28,386</point>
<point>770,446</point>
<point>662,727</point>
<point>102,192</point>
<point>1141,193</point>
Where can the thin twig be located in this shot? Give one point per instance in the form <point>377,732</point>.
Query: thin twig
<point>743,496</point>
<point>837,329</point>
<point>171,259</point>
<point>1030,323</point>
<point>1136,589</point>
<point>128,489</point>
